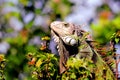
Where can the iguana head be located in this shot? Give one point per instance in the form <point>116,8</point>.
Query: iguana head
<point>66,31</point>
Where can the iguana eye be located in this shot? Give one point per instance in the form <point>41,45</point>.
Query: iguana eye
<point>66,24</point>
<point>73,31</point>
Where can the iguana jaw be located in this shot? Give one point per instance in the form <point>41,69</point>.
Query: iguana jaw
<point>65,31</point>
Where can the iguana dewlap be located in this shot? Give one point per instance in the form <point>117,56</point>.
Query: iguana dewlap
<point>71,42</point>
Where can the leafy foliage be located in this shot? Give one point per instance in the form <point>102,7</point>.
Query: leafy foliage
<point>2,67</point>
<point>105,29</point>
<point>43,65</point>
<point>79,69</point>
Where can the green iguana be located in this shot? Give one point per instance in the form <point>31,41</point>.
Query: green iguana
<point>72,41</point>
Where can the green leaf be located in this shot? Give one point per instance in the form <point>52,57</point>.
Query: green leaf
<point>73,76</point>
<point>24,2</point>
<point>86,79</point>
<point>117,40</point>
<point>29,25</point>
<point>38,63</point>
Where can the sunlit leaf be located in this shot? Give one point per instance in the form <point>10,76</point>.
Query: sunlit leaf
<point>117,40</point>
<point>24,2</point>
<point>38,63</point>
<point>73,76</point>
<point>45,38</point>
<point>1,57</point>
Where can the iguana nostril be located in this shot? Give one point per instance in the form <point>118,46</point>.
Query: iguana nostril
<point>56,22</point>
<point>53,24</point>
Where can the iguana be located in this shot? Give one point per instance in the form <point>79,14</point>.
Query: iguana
<point>71,40</point>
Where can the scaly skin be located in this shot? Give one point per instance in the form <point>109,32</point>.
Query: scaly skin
<point>72,42</point>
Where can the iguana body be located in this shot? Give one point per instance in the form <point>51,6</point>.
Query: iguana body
<point>72,41</point>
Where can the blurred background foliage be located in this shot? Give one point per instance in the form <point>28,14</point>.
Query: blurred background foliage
<point>25,43</point>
